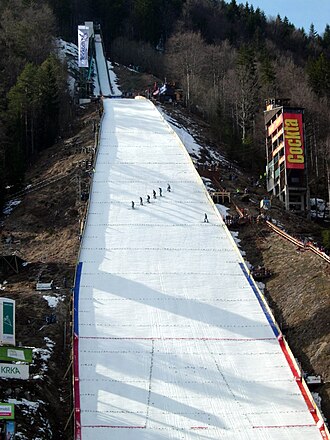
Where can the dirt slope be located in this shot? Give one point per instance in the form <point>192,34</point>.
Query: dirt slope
<point>44,230</point>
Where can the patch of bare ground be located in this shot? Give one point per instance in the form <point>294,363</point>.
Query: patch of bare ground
<point>299,294</point>
<point>43,230</point>
<point>134,83</point>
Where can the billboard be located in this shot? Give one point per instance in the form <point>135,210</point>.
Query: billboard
<point>83,39</point>
<point>7,321</point>
<point>9,354</point>
<point>294,141</point>
<point>7,411</point>
<point>14,371</point>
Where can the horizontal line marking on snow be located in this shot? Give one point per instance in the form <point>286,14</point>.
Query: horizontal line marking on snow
<point>199,427</point>
<point>139,146</point>
<point>181,382</point>
<point>122,130</point>
<point>146,204</point>
<point>113,426</point>
<point>167,325</point>
<point>160,248</point>
<point>291,411</point>
<point>174,339</point>
<point>218,274</point>
<point>193,353</point>
<point>284,426</point>
<point>151,163</point>
<point>154,182</point>
<point>158,225</point>
<point>134,298</point>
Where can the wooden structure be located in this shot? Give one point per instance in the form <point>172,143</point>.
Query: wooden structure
<point>222,196</point>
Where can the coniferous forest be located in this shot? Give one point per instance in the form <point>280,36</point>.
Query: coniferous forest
<point>227,57</point>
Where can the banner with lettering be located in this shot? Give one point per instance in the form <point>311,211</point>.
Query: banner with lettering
<point>14,371</point>
<point>7,411</point>
<point>83,40</point>
<point>7,317</point>
<point>294,140</point>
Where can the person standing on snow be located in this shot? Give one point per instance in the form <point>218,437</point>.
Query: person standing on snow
<point>160,192</point>
<point>206,220</point>
<point>148,198</point>
<point>154,194</point>
<point>168,187</point>
<point>141,201</point>
<point>133,204</point>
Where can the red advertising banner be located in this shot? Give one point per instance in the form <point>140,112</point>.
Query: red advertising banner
<point>294,140</point>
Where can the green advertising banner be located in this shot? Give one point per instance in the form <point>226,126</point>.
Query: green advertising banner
<point>16,354</point>
<point>8,318</point>
<point>7,411</point>
<point>7,326</point>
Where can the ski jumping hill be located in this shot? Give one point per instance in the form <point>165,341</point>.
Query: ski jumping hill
<point>172,337</point>
<point>102,67</point>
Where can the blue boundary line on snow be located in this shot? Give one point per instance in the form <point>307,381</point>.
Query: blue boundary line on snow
<point>76,299</point>
<point>260,300</point>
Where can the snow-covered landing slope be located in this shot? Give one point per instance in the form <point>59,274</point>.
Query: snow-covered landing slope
<point>173,342</point>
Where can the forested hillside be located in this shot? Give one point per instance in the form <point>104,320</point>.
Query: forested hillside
<point>227,57</point>
<point>33,95</point>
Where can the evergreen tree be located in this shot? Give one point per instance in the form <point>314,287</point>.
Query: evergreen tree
<point>23,121</point>
<point>49,73</point>
<point>267,74</point>
<point>326,37</point>
<point>319,75</point>
<point>312,32</point>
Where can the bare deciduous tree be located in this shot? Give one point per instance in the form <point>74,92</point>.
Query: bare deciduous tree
<point>186,55</point>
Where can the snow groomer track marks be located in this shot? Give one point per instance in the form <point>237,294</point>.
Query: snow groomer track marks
<point>172,338</point>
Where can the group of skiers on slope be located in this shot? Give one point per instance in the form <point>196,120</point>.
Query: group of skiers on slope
<point>154,194</point>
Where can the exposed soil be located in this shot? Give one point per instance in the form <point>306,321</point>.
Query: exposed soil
<point>44,231</point>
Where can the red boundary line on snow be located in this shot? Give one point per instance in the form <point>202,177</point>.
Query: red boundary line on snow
<point>76,388</point>
<point>318,421</point>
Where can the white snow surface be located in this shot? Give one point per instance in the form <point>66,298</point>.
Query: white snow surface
<point>173,343</point>
<point>53,300</point>
<point>188,140</point>
<point>10,206</point>
<point>113,80</point>
<point>102,67</point>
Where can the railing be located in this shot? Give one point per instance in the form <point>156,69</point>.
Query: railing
<point>300,244</point>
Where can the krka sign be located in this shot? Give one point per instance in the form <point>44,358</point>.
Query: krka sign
<point>7,321</point>
<point>14,371</point>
